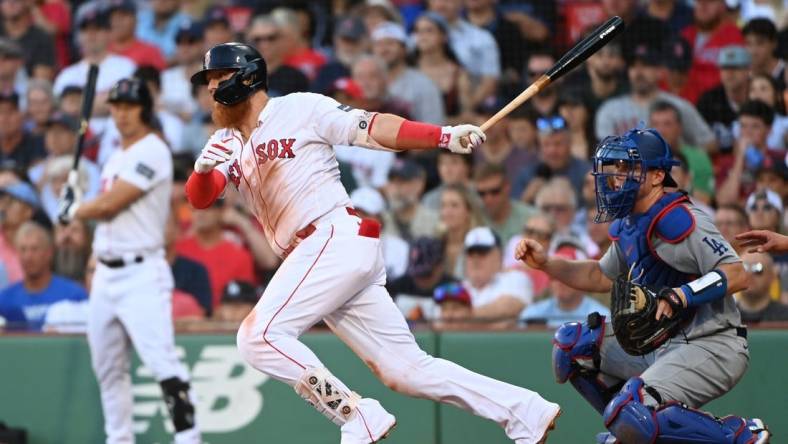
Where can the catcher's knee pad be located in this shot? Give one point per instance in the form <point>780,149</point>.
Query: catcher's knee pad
<point>627,418</point>
<point>176,396</point>
<point>324,392</point>
<point>576,358</point>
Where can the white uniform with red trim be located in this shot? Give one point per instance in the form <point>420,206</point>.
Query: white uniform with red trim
<point>288,175</point>
<point>131,299</point>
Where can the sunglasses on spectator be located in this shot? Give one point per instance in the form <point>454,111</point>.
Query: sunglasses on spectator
<point>268,38</point>
<point>537,234</point>
<point>558,208</point>
<point>766,206</point>
<point>550,124</point>
<point>755,268</point>
<point>491,191</point>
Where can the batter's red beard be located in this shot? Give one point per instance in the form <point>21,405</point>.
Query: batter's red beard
<point>230,116</point>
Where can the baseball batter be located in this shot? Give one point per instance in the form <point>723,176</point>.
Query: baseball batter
<point>278,153</point>
<point>676,341</point>
<point>131,291</point>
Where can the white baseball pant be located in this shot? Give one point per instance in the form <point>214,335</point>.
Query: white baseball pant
<point>338,276</point>
<point>132,305</point>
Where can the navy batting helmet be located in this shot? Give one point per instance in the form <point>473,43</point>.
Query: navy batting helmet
<point>627,158</point>
<point>133,90</point>
<point>251,72</point>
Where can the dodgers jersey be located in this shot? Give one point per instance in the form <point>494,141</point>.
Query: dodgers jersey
<point>138,229</point>
<point>287,171</point>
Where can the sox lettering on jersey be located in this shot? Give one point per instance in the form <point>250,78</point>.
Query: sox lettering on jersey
<point>274,149</point>
<point>234,172</point>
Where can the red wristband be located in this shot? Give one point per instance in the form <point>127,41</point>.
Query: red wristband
<point>418,135</point>
<point>203,189</point>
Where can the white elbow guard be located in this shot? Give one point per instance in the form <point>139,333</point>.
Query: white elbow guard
<point>363,138</point>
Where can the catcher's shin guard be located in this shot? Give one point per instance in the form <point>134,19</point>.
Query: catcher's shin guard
<point>327,395</point>
<point>576,359</point>
<point>630,421</point>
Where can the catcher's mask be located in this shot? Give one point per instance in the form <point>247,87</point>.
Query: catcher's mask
<point>620,165</point>
<point>250,72</point>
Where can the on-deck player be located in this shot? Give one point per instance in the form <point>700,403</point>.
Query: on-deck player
<point>278,153</point>
<point>662,241</point>
<point>131,291</point>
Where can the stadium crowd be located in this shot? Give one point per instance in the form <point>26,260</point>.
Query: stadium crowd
<point>710,75</point>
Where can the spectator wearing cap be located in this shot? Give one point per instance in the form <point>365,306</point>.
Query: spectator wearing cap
<point>765,210</point>
<point>12,75</point>
<point>239,299</point>
<point>60,138</point>
<point>413,291</point>
<point>504,215</point>
<point>407,84</point>
<point>711,31</point>
<point>433,56</point>
<point>216,26</point>
<point>93,39</point>
<point>539,62</point>
<point>602,77</point>
<point>459,213</point>
<point>720,105</point>
<point>191,278</point>
<point>683,178</point>
<point>731,220</point>
<point>177,93</point>
<point>453,169</point>
<point>350,42</point>
<point>754,302</point>
<point>775,178</point>
<point>207,244</point>
<point>495,295</point>
<point>266,35</point>
<point>554,160</point>
<point>512,40</point>
<point>760,36</point>
<point>666,118</point>
<point>18,204</point>
<point>123,24</point>
<point>475,48</point>
<point>406,217</point>
<point>369,203</point>
<point>18,148</point>
<point>371,75</point>
<point>24,304</point>
<point>564,304</point>
<point>18,24</point>
<point>40,105</point>
<point>678,61</point>
<point>619,114</point>
<point>751,153</point>
<point>763,87</point>
<point>295,43</point>
<point>676,13</point>
<point>159,24</point>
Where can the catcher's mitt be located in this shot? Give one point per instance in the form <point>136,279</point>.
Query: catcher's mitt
<point>633,308</point>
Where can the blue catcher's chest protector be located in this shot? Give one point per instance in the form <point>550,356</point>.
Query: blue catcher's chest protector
<point>670,221</point>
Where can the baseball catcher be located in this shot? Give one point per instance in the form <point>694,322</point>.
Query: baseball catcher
<point>675,341</point>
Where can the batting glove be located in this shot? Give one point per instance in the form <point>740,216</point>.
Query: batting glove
<point>214,153</point>
<point>462,139</point>
<point>70,199</point>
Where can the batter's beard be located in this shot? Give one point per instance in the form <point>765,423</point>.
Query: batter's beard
<point>230,116</point>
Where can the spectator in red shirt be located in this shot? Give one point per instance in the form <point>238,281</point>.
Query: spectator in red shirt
<point>296,43</point>
<point>123,22</point>
<point>225,260</point>
<point>54,17</point>
<point>712,31</point>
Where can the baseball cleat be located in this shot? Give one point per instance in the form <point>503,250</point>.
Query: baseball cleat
<point>388,432</point>
<point>550,427</point>
<point>760,432</point>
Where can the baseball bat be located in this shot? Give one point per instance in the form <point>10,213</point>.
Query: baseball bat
<point>88,96</point>
<point>575,56</point>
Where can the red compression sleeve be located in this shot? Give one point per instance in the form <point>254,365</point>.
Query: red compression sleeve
<point>418,136</point>
<point>203,189</point>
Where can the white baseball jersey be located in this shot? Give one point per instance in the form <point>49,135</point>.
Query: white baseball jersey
<point>287,171</point>
<point>138,229</point>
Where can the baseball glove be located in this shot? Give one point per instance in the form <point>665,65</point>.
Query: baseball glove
<point>634,308</point>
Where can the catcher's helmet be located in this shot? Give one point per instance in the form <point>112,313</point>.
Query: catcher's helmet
<point>133,90</point>
<point>628,156</point>
<point>251,72</point>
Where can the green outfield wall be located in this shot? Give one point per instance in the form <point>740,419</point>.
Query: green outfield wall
<point>47,387</point>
